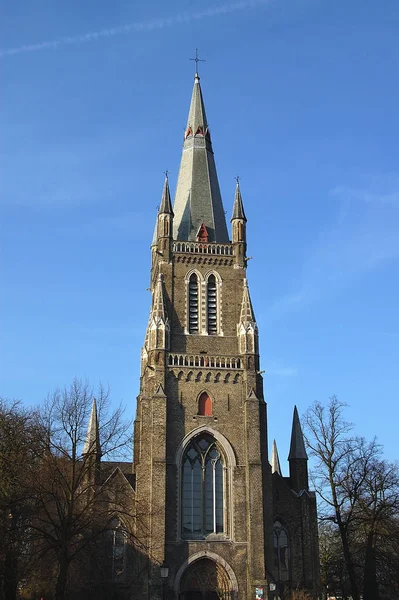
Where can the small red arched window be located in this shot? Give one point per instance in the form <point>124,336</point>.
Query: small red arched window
<point>205,405</point>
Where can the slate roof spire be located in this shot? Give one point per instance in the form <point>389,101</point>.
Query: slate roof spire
<point>297,448</point>
<point>92,442</point>
<point>198,198</point>
<point>196,115</point>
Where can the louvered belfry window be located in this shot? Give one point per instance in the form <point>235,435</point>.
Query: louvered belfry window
<point>193,304</point>
<point>212,306</point>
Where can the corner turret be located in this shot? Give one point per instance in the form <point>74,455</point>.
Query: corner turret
<point>163,233</point>
<point>239,228</point>
<point>247,331</point>
<point>159,330</point>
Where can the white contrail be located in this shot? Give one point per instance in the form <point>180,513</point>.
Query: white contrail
<point>132,27</point>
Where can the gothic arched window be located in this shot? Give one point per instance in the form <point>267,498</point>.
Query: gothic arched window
<point>205,405</point>
<point>193,304</point>
<point>116,551</point>
<point>281,551</point>
<point>202,488</point>
<point>212,305</point>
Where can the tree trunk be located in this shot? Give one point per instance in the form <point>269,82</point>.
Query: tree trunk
<point>10,576</point>
<point>349,564</point>
<point>60,586</point>
<point>370,588</point>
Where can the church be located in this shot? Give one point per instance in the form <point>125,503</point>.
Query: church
<point>217,519</point>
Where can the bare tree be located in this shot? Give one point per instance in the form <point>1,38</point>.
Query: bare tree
<point>328,438</point>
<point>359,491</point>
<point>377,519</point>
<point>18,442</point>
<point>73,504</point>
<point>333,574</point>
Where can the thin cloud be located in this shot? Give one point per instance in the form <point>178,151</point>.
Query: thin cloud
<point>360,239</point>
<point>347,193</point>
<point>281,371</point>
<point>145,26</point>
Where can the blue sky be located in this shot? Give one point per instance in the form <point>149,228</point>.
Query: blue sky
<point>301,97</point>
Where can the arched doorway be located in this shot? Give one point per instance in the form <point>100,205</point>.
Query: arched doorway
<point>205,579</point>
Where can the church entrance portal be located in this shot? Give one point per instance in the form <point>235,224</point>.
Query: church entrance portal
<point>204,579</point>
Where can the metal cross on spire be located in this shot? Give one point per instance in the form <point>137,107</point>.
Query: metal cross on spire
<point>197,60</point>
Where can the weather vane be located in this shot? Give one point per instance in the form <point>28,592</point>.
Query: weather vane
<point>197,60</point>
<point>237,178</point>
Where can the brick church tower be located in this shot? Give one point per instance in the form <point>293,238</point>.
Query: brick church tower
<point>217,520</point>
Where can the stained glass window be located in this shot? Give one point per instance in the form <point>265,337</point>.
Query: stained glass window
<point>202,488</point>
<point>281,551</point>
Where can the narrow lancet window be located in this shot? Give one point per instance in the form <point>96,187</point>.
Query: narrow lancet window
<point>203,488</point>
<point>212,305</point>
<point>281,551</point>
<point>116,545</point>
<point>193,304</point>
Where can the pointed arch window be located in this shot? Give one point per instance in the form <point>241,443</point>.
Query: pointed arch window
<point>212,305</point>
<point>281,551</point>
<point>205,405</point>
<point>193,304</point>
<point>202,488</point>
<point>116,551</point>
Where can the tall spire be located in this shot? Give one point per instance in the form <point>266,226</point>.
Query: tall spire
<point>275,459</point>
<point>198,198</point>
<point>297,448</point>
<point>196,116</point>
<point>92,442</point>
<point>238,207</point>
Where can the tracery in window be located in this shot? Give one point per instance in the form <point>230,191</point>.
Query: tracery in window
<point>193,304</point>
<point>202,488</point>
<point>281,551</point>
<point>205,405</point>
<point>212,305</point>
<point>116,550</point>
